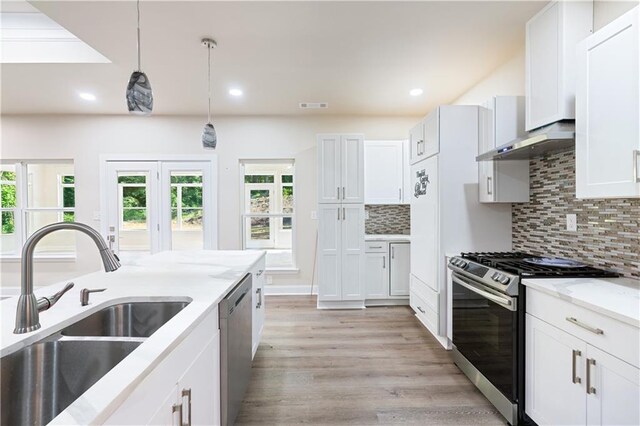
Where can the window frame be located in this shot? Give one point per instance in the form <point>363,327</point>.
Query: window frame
<point>277,187</point>
<point>22,209</point>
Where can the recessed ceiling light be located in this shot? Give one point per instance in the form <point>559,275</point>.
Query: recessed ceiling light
<point>235,92</point>
<point>87,96</point>
<point>416,92</point>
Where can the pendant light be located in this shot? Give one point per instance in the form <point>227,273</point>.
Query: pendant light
<point>139,95</point>
<point>209,137</point>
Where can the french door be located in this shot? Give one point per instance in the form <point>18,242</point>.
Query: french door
<point>152,206</point>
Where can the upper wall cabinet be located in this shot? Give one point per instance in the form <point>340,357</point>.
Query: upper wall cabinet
<point>608,111</point>
<point>504,181</point>
<point>552,35</point>
<point>340,168</point>
<point>386,169</point>
<point>416,140</point>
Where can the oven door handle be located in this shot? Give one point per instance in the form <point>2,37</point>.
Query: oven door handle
<point>502,301</point>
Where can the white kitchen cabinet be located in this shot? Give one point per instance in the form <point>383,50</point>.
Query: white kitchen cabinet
<point>384,169</point>
<point>340,252</point>
<point>616,390</point>
<point>504,181</point>
<point>608,111</point>
<point>581,367</point>
<point>377,275</point>
<point>553,393</point>
<point>550,55</point>
<point>193,366</point>
<point>416,142</point>
<point>340,168</point>
<point>258,299</point>
<point>431,144</point>
<point>399,269</point>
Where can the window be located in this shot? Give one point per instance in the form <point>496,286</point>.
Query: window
<point>35,194</point>
<point>268,210</point>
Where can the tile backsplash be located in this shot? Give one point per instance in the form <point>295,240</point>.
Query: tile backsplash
<point>608,233</point>
<point>387,219</point>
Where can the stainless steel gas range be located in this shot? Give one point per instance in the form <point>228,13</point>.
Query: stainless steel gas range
<point>488,320</point>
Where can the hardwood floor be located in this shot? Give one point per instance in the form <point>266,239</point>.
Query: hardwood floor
<point>364,367</point>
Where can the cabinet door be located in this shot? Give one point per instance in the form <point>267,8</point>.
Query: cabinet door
<point>352,252</point>
<point>608,111</point>
<point>399,269</point>
<point>554,391</point>
<point>329,168</point>
<point>431,134</point>
<point>616,390</point>
<point>416,140</point>
<point>352,176</point>
<point>199,387</point>
<point>376,276</point>
<point>486,182</point>
<point>258,305</point>
<point>383,171</point>
<point>329,251</point>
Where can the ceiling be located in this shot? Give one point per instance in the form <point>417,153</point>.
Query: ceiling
<point>360,57</point>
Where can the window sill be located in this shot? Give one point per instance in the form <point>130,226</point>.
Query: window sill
<point>282,271</point>
<point>41,259</point>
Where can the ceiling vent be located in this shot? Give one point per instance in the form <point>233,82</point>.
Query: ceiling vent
<point>313,105</point>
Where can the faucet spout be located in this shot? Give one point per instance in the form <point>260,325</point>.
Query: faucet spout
<point>27,313</point>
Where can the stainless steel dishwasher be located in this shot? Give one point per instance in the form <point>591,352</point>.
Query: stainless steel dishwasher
<point>235,349</point>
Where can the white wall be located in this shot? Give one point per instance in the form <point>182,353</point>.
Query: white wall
<point>85,138</point>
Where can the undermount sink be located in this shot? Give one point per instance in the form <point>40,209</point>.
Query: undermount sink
<point>41,380</point>
<point>135,319</point>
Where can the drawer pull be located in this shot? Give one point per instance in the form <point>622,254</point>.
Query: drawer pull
<point>421,310</point>
<point>375,247</point>
<point>590,389</point>
<point>574,378</point>
<point>585,326</point>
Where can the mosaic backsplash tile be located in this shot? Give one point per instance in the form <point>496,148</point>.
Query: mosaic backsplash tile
<point>608,229</point>
<point>388,219</point>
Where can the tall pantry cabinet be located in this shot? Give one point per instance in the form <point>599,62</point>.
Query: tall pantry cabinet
<point>340,221</point>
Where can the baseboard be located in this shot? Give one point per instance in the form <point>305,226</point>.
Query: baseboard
<point>289,290</point>
<point>386,302</point>
<point>341,304</point>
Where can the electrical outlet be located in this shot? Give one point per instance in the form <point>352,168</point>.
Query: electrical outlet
<point>572,223</point>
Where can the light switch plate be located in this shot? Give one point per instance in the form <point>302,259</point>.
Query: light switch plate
<point>572,223</point>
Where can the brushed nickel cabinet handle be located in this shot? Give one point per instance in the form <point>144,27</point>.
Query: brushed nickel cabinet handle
<point>574,378</point>
<point>344,214</point>
<point>590,389</point>
<point>489,189</point>
<point>187,393</point>
<point>344,193</point>
<point>636,154</point>
<point>421,310</point>
<point>176,408</point>
<point>575,321</point>
<point>384,262</point>
<point>338,213</point>
<point>259,293</point>
<point>399,194</point>
<point>393,252</point>
<point>337,192</point>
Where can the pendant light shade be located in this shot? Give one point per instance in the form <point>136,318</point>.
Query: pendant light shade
<point>139,94</point>
<point>209,137</point>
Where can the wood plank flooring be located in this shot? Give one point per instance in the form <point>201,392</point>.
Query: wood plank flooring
<point>356,367</point>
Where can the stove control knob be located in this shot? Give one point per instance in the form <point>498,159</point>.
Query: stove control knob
<point>495,276</point>
<point>463,264</point>
<point>504,279</point>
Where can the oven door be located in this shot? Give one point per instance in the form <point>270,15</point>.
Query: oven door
<point>485,327</point>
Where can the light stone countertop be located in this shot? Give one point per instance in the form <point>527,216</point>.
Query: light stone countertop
<point>390,237</point>
<point>201,277</point>
<point>618,298</point>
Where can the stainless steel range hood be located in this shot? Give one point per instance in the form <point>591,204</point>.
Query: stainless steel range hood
<point>555,137</point>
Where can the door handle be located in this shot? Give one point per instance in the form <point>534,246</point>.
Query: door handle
<point>337,192</point>
<point>590,389</point>
<point>344,193</point>
<point>393,252</point>
<point>421,310</point>
<point>187,393</point>
<point>259,293</point>
<point>384,262</point>
<point>489,189</point>
<point>399,194</point>
<point>583,325</point>
<point>338,213</point>
<point>574,378</point>
<point>344,215</point>
<point>636,154</point>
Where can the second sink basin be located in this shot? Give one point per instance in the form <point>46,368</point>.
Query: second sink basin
<point>135,319</point>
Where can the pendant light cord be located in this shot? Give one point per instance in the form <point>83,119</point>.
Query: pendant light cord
<point>209,81</point>
<point>138,28</point>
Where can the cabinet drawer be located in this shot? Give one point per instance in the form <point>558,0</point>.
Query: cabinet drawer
<point>376,247</point>
<point>427,315</point>
<point>425,292</point>
<point>617,338</point>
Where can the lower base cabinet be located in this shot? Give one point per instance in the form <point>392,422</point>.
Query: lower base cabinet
<point>186,383</point>
<point>571,382</point>
<point>257,298</point>
<point>386,271</point>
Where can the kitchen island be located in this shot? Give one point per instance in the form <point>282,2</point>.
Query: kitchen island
<point>145,387</point>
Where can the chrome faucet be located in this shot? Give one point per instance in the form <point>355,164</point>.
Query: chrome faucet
<point>27,313</point>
